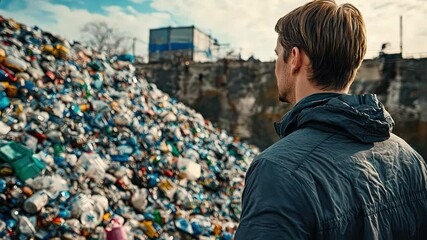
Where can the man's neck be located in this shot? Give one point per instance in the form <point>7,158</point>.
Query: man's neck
<point>305,88</point>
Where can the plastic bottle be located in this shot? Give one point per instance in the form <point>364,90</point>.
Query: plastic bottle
<point>36,202</point>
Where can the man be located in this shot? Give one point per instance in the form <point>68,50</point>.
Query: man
<point>337,172</point>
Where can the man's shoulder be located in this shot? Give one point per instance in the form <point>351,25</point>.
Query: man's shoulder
<point>398,140</point>
<point>403,147</point>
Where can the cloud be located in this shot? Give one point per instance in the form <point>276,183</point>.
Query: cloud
<point>137,1</point>
<point>68,22</point>
<point>248,26</point>
<point>383,25</point>
<point>132,10</point>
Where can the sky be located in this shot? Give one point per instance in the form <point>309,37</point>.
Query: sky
<point>246,25</point>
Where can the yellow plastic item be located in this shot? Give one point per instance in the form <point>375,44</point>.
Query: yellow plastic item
<point>85,107</point>
<point>19,108</point>
<point>13,24</point>
<point>149,230</point>
<point>165,185</point>
<point>217,229</point>
<point>48,49</point>
<point>3,55</point>
<point>106,217</point>
<point>80,81</point>
<point>11,91</point>
<point>61,51</point>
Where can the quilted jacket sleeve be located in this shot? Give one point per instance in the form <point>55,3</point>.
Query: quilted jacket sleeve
<point>276,204</point>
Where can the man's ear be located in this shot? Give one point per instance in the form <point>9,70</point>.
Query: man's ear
<point>296,60</point>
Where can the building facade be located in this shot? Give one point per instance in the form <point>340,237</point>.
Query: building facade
<point>181,43</point>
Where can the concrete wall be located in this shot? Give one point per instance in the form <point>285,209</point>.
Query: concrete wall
<point>241,96</point>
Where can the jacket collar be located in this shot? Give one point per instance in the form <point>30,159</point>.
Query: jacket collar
<point>361,117</point>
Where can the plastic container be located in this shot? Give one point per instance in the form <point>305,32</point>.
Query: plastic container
<point>15,63</point>
<point>115,231</point>
<point>4,100</point>
<point>190,169</point>
<point>4,128</point>
<point>20,157</point>
<point>36,202</point>
<point>139,199</point>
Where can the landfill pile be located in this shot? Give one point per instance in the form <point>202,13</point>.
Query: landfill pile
<point>90,151</point>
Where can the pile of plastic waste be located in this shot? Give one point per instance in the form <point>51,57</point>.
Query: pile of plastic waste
<point>90,151</point>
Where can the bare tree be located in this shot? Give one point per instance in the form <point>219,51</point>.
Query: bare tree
<point>101,37</point>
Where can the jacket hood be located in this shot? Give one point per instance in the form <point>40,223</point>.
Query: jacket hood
<point>361,117</point>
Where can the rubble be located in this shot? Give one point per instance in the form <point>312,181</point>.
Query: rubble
<point>90,151</point>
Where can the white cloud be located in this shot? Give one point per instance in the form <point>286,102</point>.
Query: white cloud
<point>246,25</point>
<point>67,22</point>
<point>382,23</point>
<point>137,1</point>
<point>250,24</point>
<point>132,10</point>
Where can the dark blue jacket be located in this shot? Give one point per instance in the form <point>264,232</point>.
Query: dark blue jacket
<point>336,173</point>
